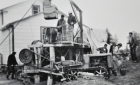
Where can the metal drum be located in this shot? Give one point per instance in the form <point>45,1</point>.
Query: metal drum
<point>25,56</point>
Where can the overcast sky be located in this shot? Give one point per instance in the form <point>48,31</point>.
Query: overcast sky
<point>119,16</point>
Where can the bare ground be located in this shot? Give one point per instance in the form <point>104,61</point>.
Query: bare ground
<point>131,78</point>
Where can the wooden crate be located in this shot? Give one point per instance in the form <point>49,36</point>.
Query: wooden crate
<point>70,36</point>
<point>70,28</point>
<point>64,32</point>
<point>79,40</point>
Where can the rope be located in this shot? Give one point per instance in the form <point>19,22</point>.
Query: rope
<point>17,24</point>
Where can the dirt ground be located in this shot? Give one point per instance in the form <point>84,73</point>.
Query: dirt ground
<point>131,78</point>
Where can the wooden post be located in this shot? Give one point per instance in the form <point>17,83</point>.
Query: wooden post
<point>39,57</point>
<point>52,59</point>
<point>13,40</point>
<point>36,59</point>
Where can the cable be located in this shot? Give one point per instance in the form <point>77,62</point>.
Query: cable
<point>17,24</point>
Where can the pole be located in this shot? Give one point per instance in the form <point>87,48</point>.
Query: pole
<point>81,28</point>
<point>52,59</point>
<point>13,40</point>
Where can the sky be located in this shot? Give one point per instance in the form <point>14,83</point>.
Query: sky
<point>119,16</point>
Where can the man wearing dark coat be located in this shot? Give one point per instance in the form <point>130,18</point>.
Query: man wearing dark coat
<point>132,44</point>
<point>103,49</point>
<point>71,20</point>
<point>11,62</point>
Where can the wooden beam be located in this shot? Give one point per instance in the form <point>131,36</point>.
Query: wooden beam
<point>52,59</point>
<point>75,6</point>
<point>13,39</point>
<point>57,45</point>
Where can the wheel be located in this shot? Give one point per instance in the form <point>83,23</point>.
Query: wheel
<point>71,74</point>
<point>18,75</point>
<point>26,81</point>
<point>101,72</point>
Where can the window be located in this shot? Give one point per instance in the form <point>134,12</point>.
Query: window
<point>36,9</point>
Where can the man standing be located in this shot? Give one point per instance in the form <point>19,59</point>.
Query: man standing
<point>61,23</point>
<point>112,46</point>
<point>132,44</point>
<point>11,65</point>
<point>103,49</point>
<point>116,56</point>
<point>71,20</point>
<point>117,49</point>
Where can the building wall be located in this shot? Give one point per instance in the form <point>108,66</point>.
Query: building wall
<point>29,30</point>
<point>6,47</point>
<point>0,20</point>
<point>16,12</point>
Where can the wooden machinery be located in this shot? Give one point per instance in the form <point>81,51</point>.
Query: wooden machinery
<point>55,56</point>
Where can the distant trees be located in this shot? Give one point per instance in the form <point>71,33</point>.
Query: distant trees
<point>136,37</point>
<point>110,38</point>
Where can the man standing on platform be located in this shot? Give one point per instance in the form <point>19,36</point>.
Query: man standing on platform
<point>132,44</point>
<point>71,20</point>
<point>103,49</point>
<point>60,24</point>
<point>11,65</point>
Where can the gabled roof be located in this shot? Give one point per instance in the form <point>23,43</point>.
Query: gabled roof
<point>4,27</point>
<point>4,3</point>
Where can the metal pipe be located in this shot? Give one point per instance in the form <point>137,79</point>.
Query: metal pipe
<point>13,39</point>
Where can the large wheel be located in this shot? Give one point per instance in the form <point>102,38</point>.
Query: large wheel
<point>18,75</point>
<point>71,74</point>
<point>101,72</point>
<point>25,56</point>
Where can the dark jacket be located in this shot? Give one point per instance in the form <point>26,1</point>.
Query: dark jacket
<point>133,42</point>
<point>61,22</point>
<point>11,60</point>
<point>71,19</point>
<point>103,50</point>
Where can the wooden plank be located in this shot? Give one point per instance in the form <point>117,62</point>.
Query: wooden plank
<point>50,80</point>
<point>52,59</point>
<point>103,54</point>
<point>36,57</point>
<point>56,45</point>
<point>48,72</point>
<point>37,45</point>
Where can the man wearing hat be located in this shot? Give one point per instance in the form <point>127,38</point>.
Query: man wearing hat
<point>61,23</point>
<point>11,62</point>
<point>71,19</point>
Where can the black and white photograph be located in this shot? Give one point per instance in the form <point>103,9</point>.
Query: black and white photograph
<point>69,42</point>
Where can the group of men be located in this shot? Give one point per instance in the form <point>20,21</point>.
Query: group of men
<point>114,49</point>
<point>62,22</point>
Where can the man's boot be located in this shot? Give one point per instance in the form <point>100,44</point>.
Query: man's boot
<point>7,77</point>
<point>12,76</point>
<point>114,72</point>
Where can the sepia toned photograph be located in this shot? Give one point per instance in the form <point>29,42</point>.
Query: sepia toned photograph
<point>69,42</point>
